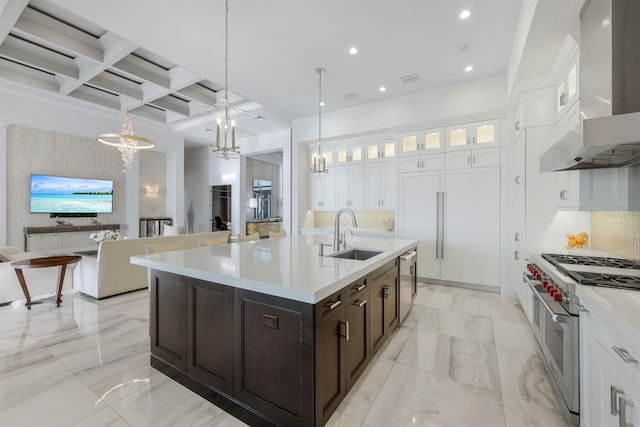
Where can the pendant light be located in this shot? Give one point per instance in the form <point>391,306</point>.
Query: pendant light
<point>126,142</point>
<point>319,161</point>
<point>225,145</point>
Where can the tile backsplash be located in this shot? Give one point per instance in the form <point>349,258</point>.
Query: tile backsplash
<point>371,220</point>
<point>617,233</point>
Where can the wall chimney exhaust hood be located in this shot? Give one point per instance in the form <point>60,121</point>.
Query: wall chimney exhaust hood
<point>609,132</point>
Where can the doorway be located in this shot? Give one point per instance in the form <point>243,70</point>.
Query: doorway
<point>220,207</point>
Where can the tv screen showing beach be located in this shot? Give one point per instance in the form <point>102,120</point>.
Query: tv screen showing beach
<point>60,194</point>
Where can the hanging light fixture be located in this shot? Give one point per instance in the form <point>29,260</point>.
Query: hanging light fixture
<point>225,145</point>
<point>319,160</point>
<point>126,142</point>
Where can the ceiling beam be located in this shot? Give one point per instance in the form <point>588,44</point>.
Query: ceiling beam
<point>26,76</point>
<point>38,57</point>
<point>122,86</point>
<point>173,104</point>
<point>9,15</point>
<point>47,36</point>
<point>200,94</point>
<point>140,68</point>
<point>95,96</point>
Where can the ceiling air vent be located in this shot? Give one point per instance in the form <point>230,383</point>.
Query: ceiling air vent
<point>410,78</point>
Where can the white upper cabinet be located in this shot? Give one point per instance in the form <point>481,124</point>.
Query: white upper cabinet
<point>568,87</point>
<point>381,185</point>
<point>472,158</point>
<point>473,135</point>
<point>380,150</point>
<point>350,186</point>
<point>421,142</point>
<point>349,154</point>
<point>323,190</point>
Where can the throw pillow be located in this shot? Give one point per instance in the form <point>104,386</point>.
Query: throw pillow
<point>173,230</point>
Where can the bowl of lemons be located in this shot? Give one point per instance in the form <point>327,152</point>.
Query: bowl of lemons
<point>577,241</point>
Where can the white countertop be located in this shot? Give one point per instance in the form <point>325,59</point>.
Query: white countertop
<point>285,267</point>
<point>621,307</point>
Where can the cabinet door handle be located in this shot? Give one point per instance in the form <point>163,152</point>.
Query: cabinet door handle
<point>474,160</point>
<point>382,202</point>
<point>360,303</point>
<point>624,354</point>
<point>332,306</point>
<point>418,166</point>
<point>468,160</point>
<point>517,179</point>
<point>564,194</point>
<point>581,308</point>
<point>386,291</point>
<point>474,140</point>
<point>517,124</point>
<point>623,403</point>
<point>422,164</point>
<point>516,255</point>
<point>615,391</point>
<point>358,288</point>
<point>516,237</point>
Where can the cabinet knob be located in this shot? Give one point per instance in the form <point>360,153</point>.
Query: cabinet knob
<point>517,179</point>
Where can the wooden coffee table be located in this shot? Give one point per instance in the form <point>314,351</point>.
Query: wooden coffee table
<point>50,261</point>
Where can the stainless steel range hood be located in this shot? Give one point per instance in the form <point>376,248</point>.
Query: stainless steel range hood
<point>609,133</point>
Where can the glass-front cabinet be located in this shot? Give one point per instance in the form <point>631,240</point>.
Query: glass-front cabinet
<point>349,153</point>
<point>421,142</point>
<point>473,135</point>
<point>381,150</point>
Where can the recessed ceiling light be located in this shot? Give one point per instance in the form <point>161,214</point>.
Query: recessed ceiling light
<point>353,50</point>
<point>465,14</point>
<point>382,89</point>
<point>322,103</point>
<point>468,68</point>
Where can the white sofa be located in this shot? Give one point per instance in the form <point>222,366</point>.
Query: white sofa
<point>40,281</point>
<point>111,273</point>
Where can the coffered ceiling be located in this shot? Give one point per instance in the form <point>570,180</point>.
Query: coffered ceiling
<point>164,59</point>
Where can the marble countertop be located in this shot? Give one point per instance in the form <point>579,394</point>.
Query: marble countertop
<point>620,307</point>
<point>287,267</point>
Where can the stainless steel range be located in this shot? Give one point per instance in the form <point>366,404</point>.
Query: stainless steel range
<point>556,309</point>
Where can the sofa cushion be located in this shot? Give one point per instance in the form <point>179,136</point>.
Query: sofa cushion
<point>7,251</point>
<point>164,247</point>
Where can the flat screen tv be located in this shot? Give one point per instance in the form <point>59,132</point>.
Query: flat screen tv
<point>62,194</point>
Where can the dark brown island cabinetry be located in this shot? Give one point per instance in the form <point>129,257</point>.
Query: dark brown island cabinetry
<point>269,360</point>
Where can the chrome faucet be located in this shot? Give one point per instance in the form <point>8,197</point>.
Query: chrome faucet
<point>336,230</point>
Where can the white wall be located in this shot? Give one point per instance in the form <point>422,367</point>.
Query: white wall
<point>33,109</point>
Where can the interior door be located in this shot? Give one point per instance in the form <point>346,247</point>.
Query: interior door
<point>471,226</point>
<point>418,218</point>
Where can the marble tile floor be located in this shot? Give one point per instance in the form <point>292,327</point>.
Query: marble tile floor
<point>461,358</point>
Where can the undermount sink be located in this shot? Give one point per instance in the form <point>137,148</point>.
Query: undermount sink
<point>357,254</point>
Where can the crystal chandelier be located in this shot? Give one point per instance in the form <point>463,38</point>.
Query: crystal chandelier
<point>225,145</point>
<point>319,161</point>
<point>126,142</point>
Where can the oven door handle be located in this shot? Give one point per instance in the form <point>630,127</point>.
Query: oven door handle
<point>555,316</point>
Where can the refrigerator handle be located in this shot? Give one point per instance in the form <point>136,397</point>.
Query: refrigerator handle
<point>440,228</point>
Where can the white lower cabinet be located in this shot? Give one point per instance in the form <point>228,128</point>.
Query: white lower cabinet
<point>609,374</point>
<point>455,215</point>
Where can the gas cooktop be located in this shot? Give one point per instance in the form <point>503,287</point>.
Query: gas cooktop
<point>598,271</point>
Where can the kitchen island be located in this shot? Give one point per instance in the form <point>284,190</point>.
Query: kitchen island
<point>269,330</point>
